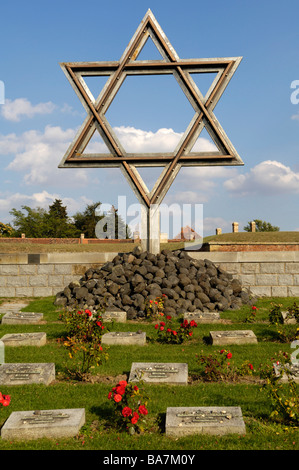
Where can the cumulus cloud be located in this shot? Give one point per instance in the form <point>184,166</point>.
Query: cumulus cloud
<point>42,199</point>
<point>267,178</point>
<point>37,154</point>
<point>14,110</point>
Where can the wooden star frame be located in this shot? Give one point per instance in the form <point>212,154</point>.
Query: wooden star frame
<point>181,69</point>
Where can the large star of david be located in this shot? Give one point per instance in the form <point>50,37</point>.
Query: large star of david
<point>181,69</point>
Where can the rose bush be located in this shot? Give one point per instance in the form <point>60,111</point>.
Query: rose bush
<point>4,399</point>
<point>83,338</point>
<point>167,333</point>
<point>130,402</point>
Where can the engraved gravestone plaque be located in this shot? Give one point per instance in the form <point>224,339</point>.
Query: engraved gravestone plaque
<point>170,373</point>
<point>21,318</point>
<point>183,421</point>
<point>233,337</point>
<point>202,317</point>
<point>117,316</point>
<point>293,372</point>
<point>26,425</point>
<point>124,338</point>
<point>27,373</point>
<point>25,339</point>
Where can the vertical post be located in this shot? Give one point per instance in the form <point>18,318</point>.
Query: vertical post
<point>235,227</point>
<point>150,228</point>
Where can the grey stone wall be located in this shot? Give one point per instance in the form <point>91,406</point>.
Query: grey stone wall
<point>265,273</point>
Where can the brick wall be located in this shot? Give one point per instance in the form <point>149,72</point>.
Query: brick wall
<point>28,275</point>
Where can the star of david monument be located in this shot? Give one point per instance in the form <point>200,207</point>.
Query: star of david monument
<point>184,154</point>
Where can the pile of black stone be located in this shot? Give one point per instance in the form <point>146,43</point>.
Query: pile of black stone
<point>131,280</point>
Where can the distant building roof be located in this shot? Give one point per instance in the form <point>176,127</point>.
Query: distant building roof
<point>187,233</point>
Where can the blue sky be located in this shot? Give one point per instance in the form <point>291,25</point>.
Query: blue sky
<point>41,111</point>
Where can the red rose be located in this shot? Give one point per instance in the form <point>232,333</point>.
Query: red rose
<point>161,328</point>
<point>156,326</point>
<point>174,332</point>
<point>142,410</point>
<point>229,355</point>
<point>109,395</point>
<point>135,418</point>
<point>136,388</point>
<point>117,398</point>
<point>168,317</point>
<point>126,411</point>
<point>120,389</point>
<point>162,323</point>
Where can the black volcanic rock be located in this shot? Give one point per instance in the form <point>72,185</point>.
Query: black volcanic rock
<point>130,280</point>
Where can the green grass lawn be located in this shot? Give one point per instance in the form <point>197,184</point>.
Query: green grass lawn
<point>262,431</point>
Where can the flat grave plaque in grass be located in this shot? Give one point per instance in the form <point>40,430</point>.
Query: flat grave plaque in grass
<point>124,338</point>
<point>292,372</point>
<point>233,337</point>
<point>52,424</point>
<point>22,318</point>
<point>159,372</point>
<point>117,316</point>
<point>27,373</point>
<point>6,307</point>
<point>24,339</point>
<point>184,421</point>
<point>202,317</point>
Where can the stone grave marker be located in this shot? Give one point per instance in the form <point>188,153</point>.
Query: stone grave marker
<point>27,373</point>
<point>288,319</point>
<point>124,338</point>
<point>22,318</point>
<point>115,315</point>
<point>202,317</point>
<point>52,424</point>
<point>163,372</point>
<point>16,306</point>
<point>24,339</point>
<point>184,421</point>
<point>293,370</point>
<point>233,337</point>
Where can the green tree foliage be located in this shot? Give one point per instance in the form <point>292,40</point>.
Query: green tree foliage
<point>6,230</point>
<point>39,223</point>
<point>86,221</point>
<point>261,226</point>
<point>115,227</point>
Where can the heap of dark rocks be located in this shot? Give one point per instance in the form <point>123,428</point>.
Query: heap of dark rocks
<point>131,280</point>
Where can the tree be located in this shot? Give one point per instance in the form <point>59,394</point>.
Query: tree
<point>261,226</point>
<point>6,230</point>
<point>86,221</point>
<point>39,223</point>
<point>58,223</point>
<point>32,223</point>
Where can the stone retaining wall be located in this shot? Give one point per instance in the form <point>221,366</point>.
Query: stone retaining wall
<point>41,275</point>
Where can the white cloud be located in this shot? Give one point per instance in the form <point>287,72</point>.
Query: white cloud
<point>40,199</point>
<point>267,178</point>
<point>37,154</point>
<point>14,110</point>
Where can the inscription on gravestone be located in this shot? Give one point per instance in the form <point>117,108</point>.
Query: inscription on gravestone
<point>232,337</point>
<point>117,316</point>
<point>293,372</point>
<point>19,374</point>
<point>202,317</point>
<point>25,425</point>
<point>182,421</point>
<point>124,338</point>
<point>172,373</point>
<point>18,318</point>
<point>24,339</point>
